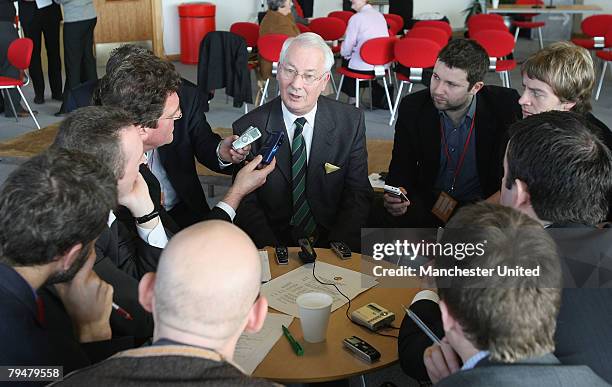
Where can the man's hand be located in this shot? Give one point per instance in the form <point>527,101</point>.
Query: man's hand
<point>394,204</point>
<point>440,361</point>
<point>88,301</point>
<point>247,180</point>
<point>229,154</point>
<point>139,202</point>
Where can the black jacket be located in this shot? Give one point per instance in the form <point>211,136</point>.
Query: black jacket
<point>416,148</point>
<point>224,63</point>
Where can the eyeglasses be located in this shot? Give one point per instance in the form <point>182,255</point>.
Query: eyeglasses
<point>174,118</point>
<point>290,74</point>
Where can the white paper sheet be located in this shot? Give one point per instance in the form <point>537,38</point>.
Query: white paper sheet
<point>282,291</point>
<point>252,348</point>
<point>376,181</point>
<point>266,275</point>
<point>43,3</point>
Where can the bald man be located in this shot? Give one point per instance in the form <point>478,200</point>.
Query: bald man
<point>204,295</point>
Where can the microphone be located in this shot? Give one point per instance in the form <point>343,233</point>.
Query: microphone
<point>308,254</point>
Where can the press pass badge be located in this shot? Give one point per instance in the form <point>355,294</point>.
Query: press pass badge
<point>444,207</point>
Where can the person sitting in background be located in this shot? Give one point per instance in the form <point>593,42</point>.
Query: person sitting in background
<point>366,24</point>
<point>52,209</point>
<point>561,77</point>
<point>278,20</point>
<point>501,327</point>
<point>204,295</point>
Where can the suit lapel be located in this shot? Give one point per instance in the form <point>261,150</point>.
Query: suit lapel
<point>484,138</point>
<point>275,123</point>
<point>321,149</point>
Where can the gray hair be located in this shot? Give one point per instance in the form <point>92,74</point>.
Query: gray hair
<point>309,39</point>
<point>274,5</point>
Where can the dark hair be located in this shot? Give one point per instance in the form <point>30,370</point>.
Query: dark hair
<point>121,53</point>
<point>274,5</point>
<point>140,84</point>
<point>96,131</point>
<point>468,56</point>
<point>565,165</point>
<point>52,202</point>
<point>513,317</point>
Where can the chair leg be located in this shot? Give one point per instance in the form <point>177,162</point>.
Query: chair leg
<point>508,79</point>
<point>331,76</point>
<point>339,87</point>
<point>246,108</point>
<point>8,96</point>
<point>371,99</point>
<point>397,99</point>
<point>516,34</point>
<point>388,97</point>
<point>264,93</point>
<point>540,37</point>
<point>357,92</point>
<point>603,74</point>
<point>28,106</point>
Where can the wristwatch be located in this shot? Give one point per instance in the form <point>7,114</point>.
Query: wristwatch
<point>147,217</point>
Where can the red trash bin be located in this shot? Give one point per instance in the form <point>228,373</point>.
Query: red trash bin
<point>197,19</point>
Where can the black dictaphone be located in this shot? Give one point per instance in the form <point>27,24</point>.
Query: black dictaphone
<point>282,255</point>
<point>362,349</point>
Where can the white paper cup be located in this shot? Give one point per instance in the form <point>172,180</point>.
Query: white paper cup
<point>314,310</point>
<point>495,3</point>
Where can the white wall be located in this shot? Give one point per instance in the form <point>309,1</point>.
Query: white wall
<point>230,11</point>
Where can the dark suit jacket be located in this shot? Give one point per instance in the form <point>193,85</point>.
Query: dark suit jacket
<point>416,148</point>
<point>583,335</point>
<point>193,137</point>
<point>339,201</point>
<point>28,341</point>
<point>544,371</point>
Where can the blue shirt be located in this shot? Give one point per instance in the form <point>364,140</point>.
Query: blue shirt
<point>467,185</point>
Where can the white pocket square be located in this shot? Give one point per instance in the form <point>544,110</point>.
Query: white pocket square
<point>329,168</point>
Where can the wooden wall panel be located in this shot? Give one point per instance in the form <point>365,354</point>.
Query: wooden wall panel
<point>123,21</point>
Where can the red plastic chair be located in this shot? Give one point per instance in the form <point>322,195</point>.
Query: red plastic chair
<point>483,17</point>
<point>416,54</point>
<point>331,29</point>
<point>605,56</point>
<point>595,27</point>
<point>395,26</point>
<point>270,47</point>
<point>19,55</point>
<point>498,44</point>
<point>398,19</point>
<point>344,15</point>
<point>303,28</point>
<point>435,24</point>
<point>249,31</point>
<point>434,34</point>
<point>529,24</point>
<point>379,53</point>
<point>484,25</point>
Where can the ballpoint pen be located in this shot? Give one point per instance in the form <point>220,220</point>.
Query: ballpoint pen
<point>297,348</point>
<point>422,325</point>
<point>122,312</point>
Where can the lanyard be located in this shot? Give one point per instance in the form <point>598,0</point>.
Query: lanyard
<point>465,147</point>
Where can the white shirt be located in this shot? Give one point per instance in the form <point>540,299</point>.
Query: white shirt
<point>155,237</point>
<point>170,196</point>
<point>366,24</point>
<point>289,119</point>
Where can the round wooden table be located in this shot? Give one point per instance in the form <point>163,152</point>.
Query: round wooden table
<point>330,360</point>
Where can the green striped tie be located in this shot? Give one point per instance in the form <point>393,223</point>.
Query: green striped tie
<point>302,217</point>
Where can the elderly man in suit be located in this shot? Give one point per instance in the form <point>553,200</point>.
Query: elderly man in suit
<point>320,188</point>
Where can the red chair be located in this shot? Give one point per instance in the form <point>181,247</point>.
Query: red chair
<point>434,34</point>
<point>435,24</point>
<point>595,27</point>
<point>379,53</point>
<point>483,17</point>
<point>416,54</point>
<point>399,20</point>
<point>19,55</point>
<point>529,23</point>
<point>298,8</point>
<point>486,25</point>
<point>605,56</point>
<point>249,31</point>
<point>344,15</point>
<point>269,48</point>
<point>303,28</point>
<point>395,26</point>
<point>331,29</point>
<point>498,44</point>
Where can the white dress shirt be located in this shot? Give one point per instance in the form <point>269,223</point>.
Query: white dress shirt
<point>155,237</point>
<point>308,130</point>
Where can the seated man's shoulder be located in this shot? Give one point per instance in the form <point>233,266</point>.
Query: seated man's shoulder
<point>416,100</point>
<point>340,110</point>
<point>499,95</point>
